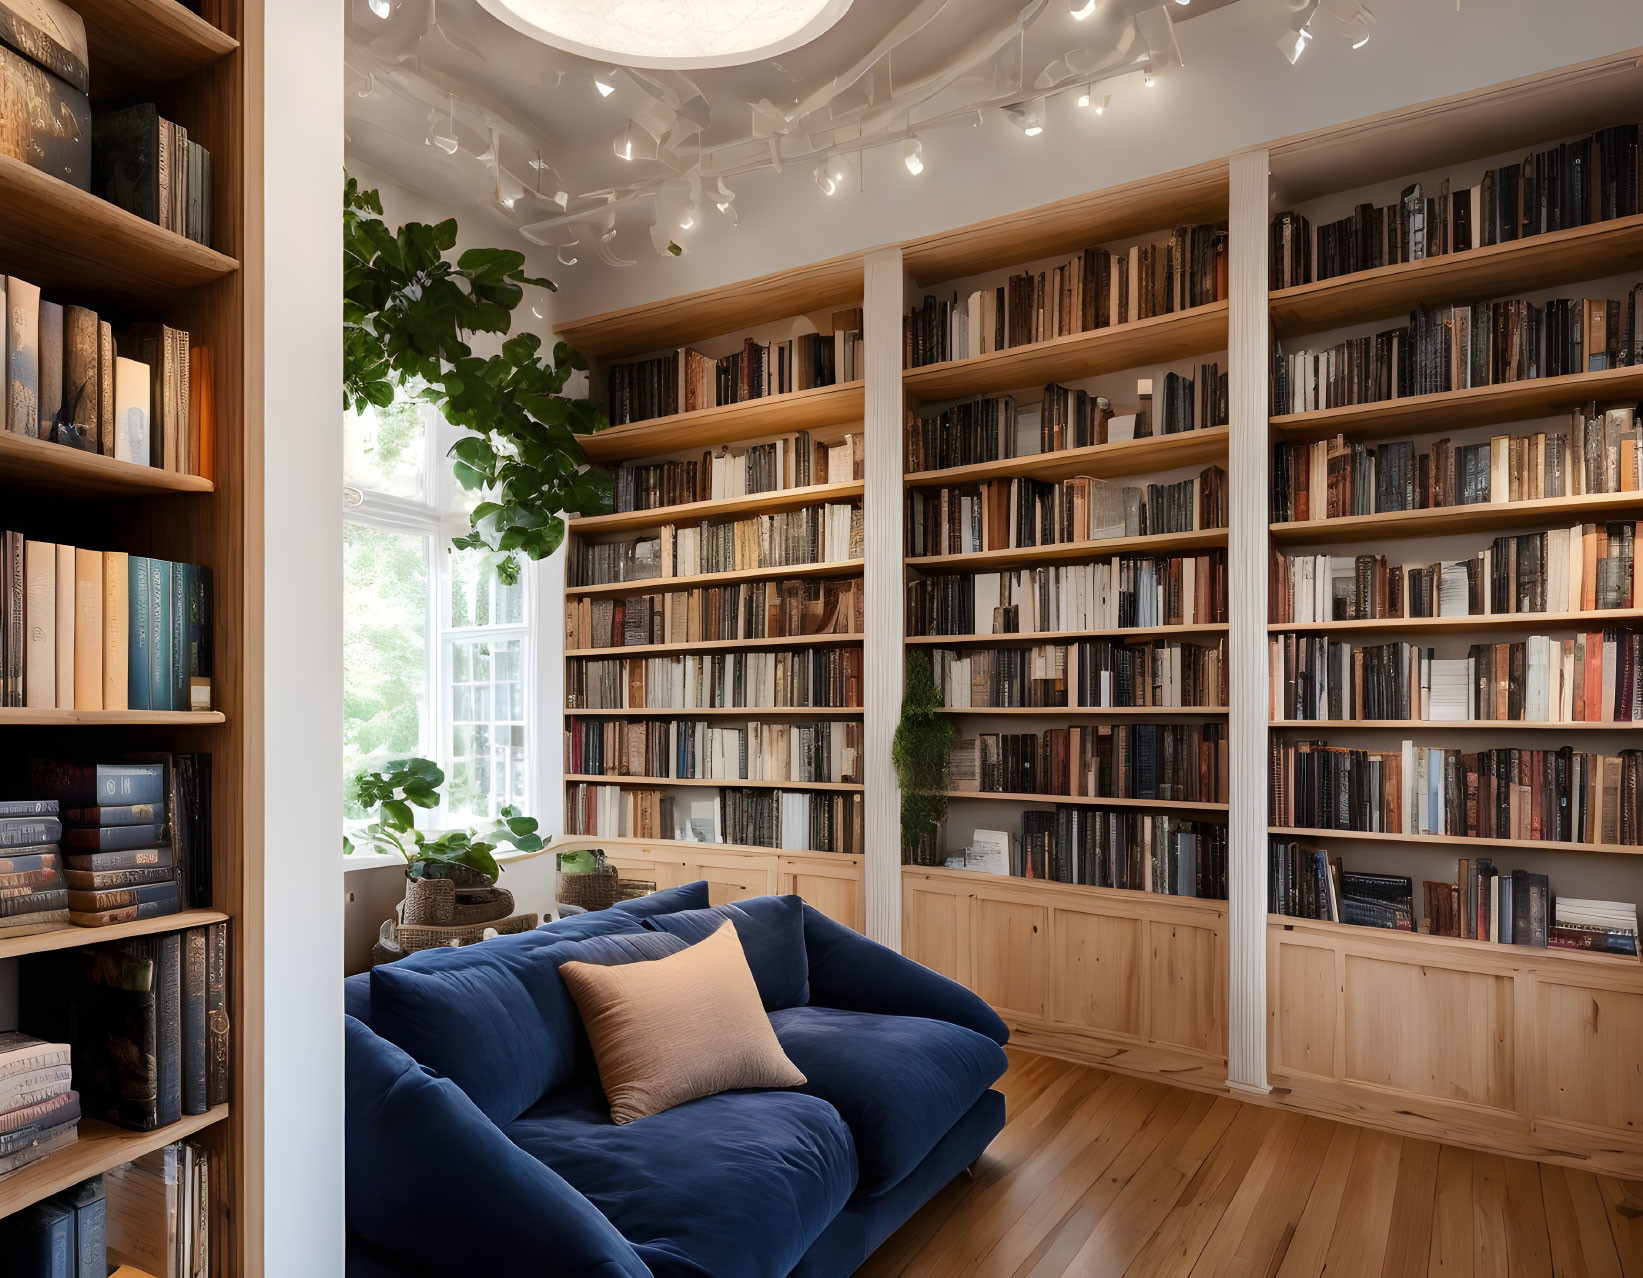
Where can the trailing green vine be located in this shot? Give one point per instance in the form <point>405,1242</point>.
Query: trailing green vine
<point>924,739</point>
<point>408,315</point>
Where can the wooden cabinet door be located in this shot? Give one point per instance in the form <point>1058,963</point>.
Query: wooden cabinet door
<point>935,927</point>
<point>1011,955</point>
<point>1096,982</point>
<point>832,885</point>
<point>733,876</point>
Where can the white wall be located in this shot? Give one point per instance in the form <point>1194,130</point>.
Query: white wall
<point>292,899</point>
<point>1235,91</point>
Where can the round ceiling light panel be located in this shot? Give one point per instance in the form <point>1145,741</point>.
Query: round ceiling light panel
<point>672,34</point>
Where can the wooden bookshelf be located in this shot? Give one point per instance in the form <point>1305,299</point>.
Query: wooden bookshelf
<point>1094,712</point>
<point>811,410</point>
<point>1495,270</point>
<point>1078,355</point>
<point>1457,410</point>
<point>1128,457</point>
<point>1460,948</point>
<point>53,468</point>
<point>154,718</point>
<point>721,712</point>
<point>717,645</point>
<point>1444,725</point>
<point>68,938</point>
<point>134,44</point>
<point>1070,552</point>
<point>1519,621</point>
<point>1204,630</point>
<point>1479,517</point>
<point>1182,806</point>
<point>1453,841</point>
<point>757,504</point>
<point>718,783</point>
<point>843,568</point>
<point>101,1147</point>
<point>1118,896</point>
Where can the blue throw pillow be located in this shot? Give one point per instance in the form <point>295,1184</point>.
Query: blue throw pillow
<point>771,930</point>
<point>687,896</point>
<point>408,1127</point>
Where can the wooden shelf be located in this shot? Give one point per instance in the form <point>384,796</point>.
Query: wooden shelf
<point>1130,457</point>
<point>42,465</point>
<point>47,718</point>
<point>717,645</point>
<point>1462,725</point>
<point>100,1148</point>
<point>68,938</point>
<point>1558,257</point>
<point>1078,355</point>
<point>1525,621</point>
<point>844,568</point>
<point>1481,517</point>
<point>1070,551</point>
<point>706,427</point>
<point>1456,410</point>
<point>1457,946</point>
<point>62,238</point>
<point>1457,843</point>
<point>1190,807</point>
<point>136,44</point>
<point>1095,712</point>
<point>567,841</point>
<point>760,503</point>
<point>1207,905</point>
<point>1209,630</point>
<point>720,783</point>
<point>721,712</point>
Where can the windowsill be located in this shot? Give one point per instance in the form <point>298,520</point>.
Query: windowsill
<point>376,860</point>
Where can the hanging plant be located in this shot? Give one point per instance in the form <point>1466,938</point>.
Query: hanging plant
<point>408,315</point>
<point>924,738</point>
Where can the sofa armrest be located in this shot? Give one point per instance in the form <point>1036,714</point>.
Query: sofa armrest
<point>852,973</point>
<point>417,1147</point>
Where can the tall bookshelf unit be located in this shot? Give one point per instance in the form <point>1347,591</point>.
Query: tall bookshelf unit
<point>831,879</point>
<point>81,249</point>
<point>1514,1049</point>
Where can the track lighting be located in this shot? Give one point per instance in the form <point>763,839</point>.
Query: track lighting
<point>1292,44</point>
<point>383,9</point>
<point>832,173</point>
<point>824,180</point>
<point>1147,77</point>
<point>1027,116</point>
<point>913,156</point>
<point>1081,9</point>
<point>1088,97</point>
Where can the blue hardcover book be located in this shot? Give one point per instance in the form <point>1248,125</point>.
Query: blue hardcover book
<point>199,622</point>
<point>140,638</point>
<point>89,1202</point>
<point>40,1242</point>
<point>169,1036</point>
<point>159,626</point>
<point>182,596</point>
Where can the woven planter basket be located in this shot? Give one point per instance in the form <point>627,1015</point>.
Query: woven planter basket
<point>412,938</point>
<point>591,889</point>
<point>441,903</point>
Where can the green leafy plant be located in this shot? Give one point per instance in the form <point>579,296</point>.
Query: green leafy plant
<point>408,314</point>
<point>924,738</point>
<point>402,786</point>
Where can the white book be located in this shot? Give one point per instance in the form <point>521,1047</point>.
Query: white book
<point>131,411</point>
<point>65,629</point>
<point>40,625</point>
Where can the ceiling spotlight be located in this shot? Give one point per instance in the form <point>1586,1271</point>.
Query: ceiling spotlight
<point>723,196</point>
<point>1292,44</point>
<point>1100,101</point>
<point>383,9</point>
<point>1081,9</point>
<point>824,179</point>
<point>1147,77</point>
<point>1358,27</point>
<point>624,142</point>
<point>832,173</point>
<point>605,87</point>
<point>913,156</point>
<point>1027,116</point>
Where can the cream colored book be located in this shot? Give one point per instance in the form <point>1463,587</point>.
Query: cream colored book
<point>65,627</point>
<point>40,625</point>
<point>88,630</point>
<point>23,363</point>
<point>132,398</point>
<point>116,630</point>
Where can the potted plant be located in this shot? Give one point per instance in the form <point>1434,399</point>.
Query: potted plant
<point>920,749</point>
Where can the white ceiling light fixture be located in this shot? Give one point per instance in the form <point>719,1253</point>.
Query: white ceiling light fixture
<point>605,87</point>
<point>677,35</point>
<point>1292,44</point>
<point>1357,22</point>
<point>383,9</point>
<point>912,156</point>
<point>1148,78</point>
<point>1081,9</point>
<point>1027,116</point>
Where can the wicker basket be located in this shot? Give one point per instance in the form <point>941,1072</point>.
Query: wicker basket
<point>590,889</point>
<point>412,937</point>
<point>633,889</point>
<point>443,903</point>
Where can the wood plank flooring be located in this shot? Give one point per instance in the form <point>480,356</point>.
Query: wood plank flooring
<point>1102,1175</point>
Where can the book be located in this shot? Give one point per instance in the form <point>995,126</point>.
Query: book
<point>120,899</point>
<point>89,784</point>
<point>49,394</point>
<point>123,814</point>
<point>113,838</point>
<point>154,907</point>
<point>117,880</point>
<point>123,858</point>
<point>194,1031</point>
<point>38,1241</point>
<point>217,1064</point>
<point>133,435</point>
<point>40,660</point>
<point>51,35</point>
<point>78,426</point>
<point>32,1071</point>
<point>48,119</point>
<point>88,682</point>
<point>23,347</point>
<point>68,633</point>
<point>89,1202</point>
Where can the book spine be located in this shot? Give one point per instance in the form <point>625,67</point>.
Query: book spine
<point>159,629</point>
<point>216,1011</point>
<point>141,643</point>
<point>195,944</point>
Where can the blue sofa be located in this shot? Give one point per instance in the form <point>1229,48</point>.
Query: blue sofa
<point>480,1142</point>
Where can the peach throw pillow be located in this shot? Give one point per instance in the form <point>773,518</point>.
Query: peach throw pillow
<point>675,1028</point>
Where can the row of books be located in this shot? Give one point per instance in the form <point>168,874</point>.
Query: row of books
<point>1575,183</point>
<point>1457,347</point>
<point>1162,761</point>
<point>1335,478</point>
<point>138,394</point>
<point>825,534</point>
<point>693,749</point>
<point>788,820</point>
<point>744,610</point>
<point>102,630</point>
<point>724,680</point>
<point>1121,592</point>
<point>1096,289</point>
<point>1584,568</point>
<point>792,461</point>
<point>1089,673</point>
<point>686,380</point>
<point>149,166</point>
<point>1007,514</point>
<point>1484,903</point>
<point>1136,851</point>
<point>39,1108</point>
<point>1558,796</point>
<point>1590,678</point>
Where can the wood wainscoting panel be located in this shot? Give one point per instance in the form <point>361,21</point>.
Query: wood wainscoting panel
<point>1590,1064</point>
<point>1097,965</point>
<point>1305,1011</point>
<point>830,881</point>
<point>1187,998</point>
<point>1011,956</point>
<point>733,876</point>
<point>935,927</point>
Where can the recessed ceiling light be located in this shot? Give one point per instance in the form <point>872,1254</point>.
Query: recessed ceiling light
<point>672,34</point>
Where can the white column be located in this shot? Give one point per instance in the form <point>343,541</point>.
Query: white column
<point>882,658</point>
<point>1247,591</point>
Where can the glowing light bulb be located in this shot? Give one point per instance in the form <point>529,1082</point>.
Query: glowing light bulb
<point>1081,9</point>
<point>382,8</point>
<point>913,156</point>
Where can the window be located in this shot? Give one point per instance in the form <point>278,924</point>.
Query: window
<point>437,652</point>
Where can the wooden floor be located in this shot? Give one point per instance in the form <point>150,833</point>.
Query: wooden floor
<point>1101,1175</point>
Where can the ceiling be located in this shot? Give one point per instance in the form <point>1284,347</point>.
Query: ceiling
<point>448,101</point>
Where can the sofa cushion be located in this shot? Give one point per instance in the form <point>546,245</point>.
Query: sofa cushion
<point>687,896</point>
<point>408,1128</point>
<point>494,1018</point>
<point>900,1082</point>
<point>771,930</point>
<point>730,1186</point>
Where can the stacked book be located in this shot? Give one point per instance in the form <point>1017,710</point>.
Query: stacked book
<point>1091,673</point>
<point>1604,927</point>
<point>1486,904</point>
<point>790,820</point>
<point>1141,852</point>
<point>39,1110</point>
<point>694,750</point>
<point>793,461</point>
<point>65,1236</point>
<point>1165,762</point>
<point>830,533</point>
<point>804,677</point>
<point>33,893</point>
<point>149,166</point>
<point>1305,882</point>
<point>741,610</point>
